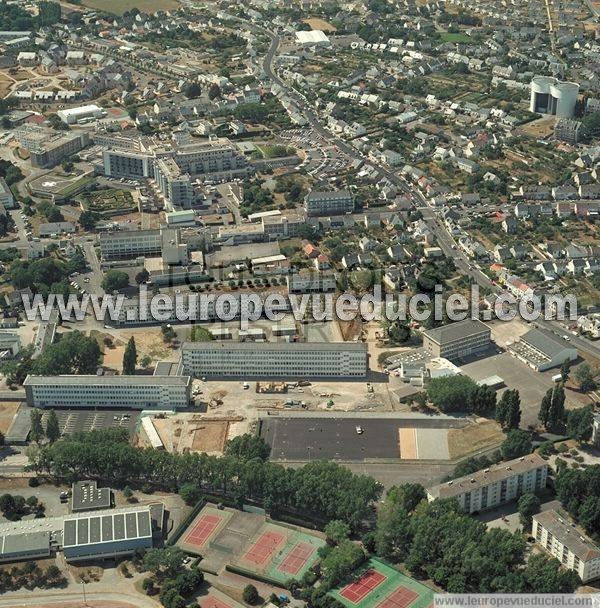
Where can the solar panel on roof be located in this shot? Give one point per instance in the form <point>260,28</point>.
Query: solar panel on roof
<point>70,532</point>
<point>119,527</point>
<point>82,531</point>
<point>130,524</point>
<point>95,535</point>
<point>144,528</point>
<point>107,528</point>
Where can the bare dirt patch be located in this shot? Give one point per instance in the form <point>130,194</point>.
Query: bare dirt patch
<point>194,432</point>
<point>470,439</point>
<point>210,436</point>
<point>320,24</point>
<point>7,413</point>
<point>543,127</point>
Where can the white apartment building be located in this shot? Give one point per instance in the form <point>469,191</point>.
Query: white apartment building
<point>263,360</point>
<point>495,485</point>
<point>337,202</point>
<point>311,281</point>
<point>129,392</point>
<point>556,532</point>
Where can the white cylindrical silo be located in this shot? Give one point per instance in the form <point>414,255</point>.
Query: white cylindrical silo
<point>565,94</point>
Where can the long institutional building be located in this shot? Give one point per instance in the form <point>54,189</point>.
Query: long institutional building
<point>132,392</point>
<point>282,359</point>
<point>174,168</point>
<point>457,340</point>
<point>104,534</point>
<point>556,532</point>
<point>496,485</point>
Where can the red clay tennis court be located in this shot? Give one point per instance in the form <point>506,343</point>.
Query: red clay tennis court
<point>356,591</point>
<point>296,558</point>
<point>400,598</point>
<point>263,549</point>
<point>203,529</point>
<point>212,602</point>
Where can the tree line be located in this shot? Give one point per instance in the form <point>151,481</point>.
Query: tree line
<point>320,489</point>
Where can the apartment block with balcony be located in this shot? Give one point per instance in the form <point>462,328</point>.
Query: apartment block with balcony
<point>495,485</point>
<point>558,534</point>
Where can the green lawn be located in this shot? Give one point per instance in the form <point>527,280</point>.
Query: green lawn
<point>454,37</point>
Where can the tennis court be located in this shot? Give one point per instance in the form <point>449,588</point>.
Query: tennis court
<point>217,599</point>
<point>401,598</point>
<point>356,591</point>
<point>212,602</point>
<point>264,547</point>
<point>278,553</point>
<point>296,558</point>
<point>378,585</point>
<point>206,525</point>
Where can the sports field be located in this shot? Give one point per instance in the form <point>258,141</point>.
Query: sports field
<point>217,599</point>
<point>377,585</point>
<point>280,553</point>
<point>205,527</point>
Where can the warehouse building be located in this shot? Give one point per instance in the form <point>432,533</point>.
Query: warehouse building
<point>542,350</point>
<point>556,532</point>
<point>107,534</point>
<point>457,340</point>
<point>264,360</point>
<point>87,113</point>
<point>128,392</point>
<point>495,485</point>
<point>101,534</point>
<point>24,546</point>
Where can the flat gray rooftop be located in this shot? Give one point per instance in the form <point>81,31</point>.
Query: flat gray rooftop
<point>14,544</point>
<point>456,331</point>
<point>90,380</point>
<point>276,346</point>
<point>107,527</point>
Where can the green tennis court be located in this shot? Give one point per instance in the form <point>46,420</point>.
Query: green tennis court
<point>279,553</point>
<point>378,585</point>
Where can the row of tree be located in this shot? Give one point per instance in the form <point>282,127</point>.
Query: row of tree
<point>321,489</point>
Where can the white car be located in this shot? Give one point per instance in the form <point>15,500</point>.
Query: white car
<point>359,430</point>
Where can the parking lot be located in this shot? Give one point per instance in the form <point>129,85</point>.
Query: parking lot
<point>71,421</point>
<point>531,384</point>
<point>345,438</point>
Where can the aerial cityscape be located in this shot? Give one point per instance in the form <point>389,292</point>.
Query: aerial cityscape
<point>299,303</point>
